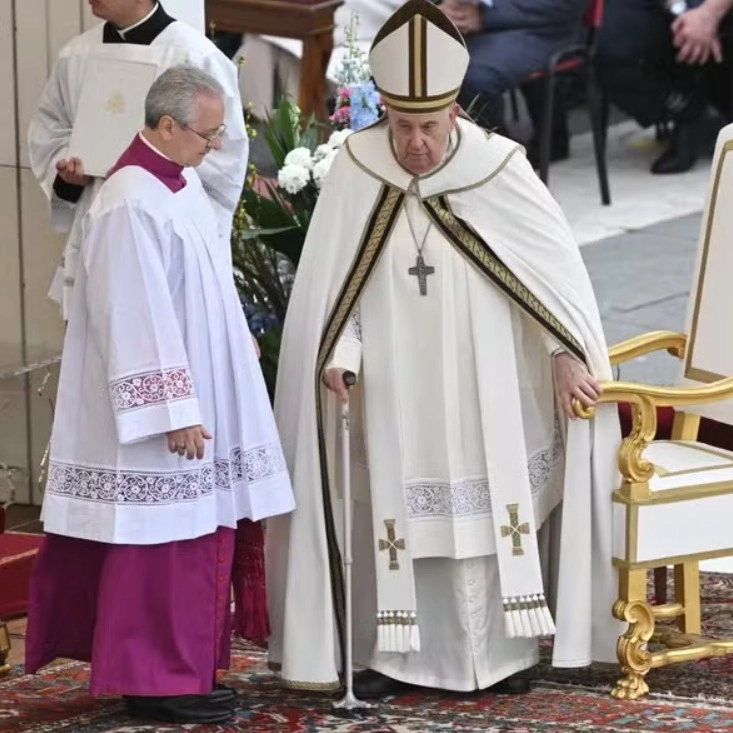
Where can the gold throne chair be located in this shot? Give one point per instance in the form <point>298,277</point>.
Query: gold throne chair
<point>674,506</point>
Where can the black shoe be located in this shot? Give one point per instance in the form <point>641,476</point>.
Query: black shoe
<point>182,709</point>
<point>511,686</point>
<point>681,153</point>
<point>222,694</point>
<point>371,685</point>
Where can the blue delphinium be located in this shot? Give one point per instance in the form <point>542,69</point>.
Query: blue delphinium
<point>259,319</point>
<point>363,105</point>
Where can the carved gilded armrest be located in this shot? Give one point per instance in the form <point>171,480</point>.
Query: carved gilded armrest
<point>644,400</point>
<point>647,343</point>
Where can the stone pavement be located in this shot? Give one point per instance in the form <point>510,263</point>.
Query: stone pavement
<point>638,198</point>
<point>642,281</point>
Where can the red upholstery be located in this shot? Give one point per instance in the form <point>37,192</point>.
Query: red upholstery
<point>17,553</point>
<point>594,14</point>
<point>713,433</point>
<point>592,19</point>
<point>567,65</point>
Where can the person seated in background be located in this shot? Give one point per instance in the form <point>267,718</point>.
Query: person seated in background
<point>507,41</point>
<point>663,61</point>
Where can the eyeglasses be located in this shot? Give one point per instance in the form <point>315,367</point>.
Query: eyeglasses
<point>210,138</point>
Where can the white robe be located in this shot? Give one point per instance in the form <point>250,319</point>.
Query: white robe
<point>222,173</point>
<point>443,463</point>
<point>157,341</point>
<point>421,407</point>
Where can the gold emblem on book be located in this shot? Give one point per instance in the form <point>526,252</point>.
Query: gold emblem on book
<point>116,104</point>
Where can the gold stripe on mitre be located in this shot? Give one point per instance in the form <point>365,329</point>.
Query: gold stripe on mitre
<point>419,106</point>
<point>416,33</point>
<point>418,56</point>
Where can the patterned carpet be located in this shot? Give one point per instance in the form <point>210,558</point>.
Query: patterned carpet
<point>687,698</point>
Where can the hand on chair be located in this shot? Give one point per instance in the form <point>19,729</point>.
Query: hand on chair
<point>573,380</point>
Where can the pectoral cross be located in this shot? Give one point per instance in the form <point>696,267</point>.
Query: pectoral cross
<point>421,272</point>
<point>515,530</point>
<point>392,544</point>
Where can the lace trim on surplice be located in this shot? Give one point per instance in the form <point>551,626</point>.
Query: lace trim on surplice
<point>471,496</point>
<point>121,486</point>
<point>151,388</point>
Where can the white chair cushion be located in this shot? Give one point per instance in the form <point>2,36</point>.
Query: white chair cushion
<point>693,519</point>
<point>685,463</point>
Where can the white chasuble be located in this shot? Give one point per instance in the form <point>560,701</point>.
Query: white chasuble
<point>457,450</point>
<point>222,173</point>
<point>437,447</point>
<point>156,342</point>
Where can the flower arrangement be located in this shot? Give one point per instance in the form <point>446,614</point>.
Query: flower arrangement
<point>274,212</point>
<point>304,168</point>
<point>358,103</point>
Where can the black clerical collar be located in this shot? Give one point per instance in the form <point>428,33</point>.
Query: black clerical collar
<point>143,34</point>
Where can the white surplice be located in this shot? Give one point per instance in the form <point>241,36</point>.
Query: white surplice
<point>222,172</point>
<point>157,341</point>
<point>421,425</point>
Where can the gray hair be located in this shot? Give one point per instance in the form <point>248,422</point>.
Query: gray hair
<point>175,93</point>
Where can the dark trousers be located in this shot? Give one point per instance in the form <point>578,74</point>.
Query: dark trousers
<point>502,60</point>
<point>638,70</point>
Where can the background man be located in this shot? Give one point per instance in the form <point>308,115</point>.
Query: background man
<point>131,23</point>
<point>666,61</point>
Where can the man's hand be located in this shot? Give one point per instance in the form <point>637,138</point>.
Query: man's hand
<point>256,344</point>
<point>334,380</point>
<point>572,380</point>
<point>695,35</point>
<point>189,442</point>
<point>72,171</point>
<point>466,17</point>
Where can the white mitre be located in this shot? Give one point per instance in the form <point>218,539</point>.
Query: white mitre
<point>418,59</point>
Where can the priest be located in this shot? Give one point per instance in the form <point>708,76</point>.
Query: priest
<point>439,269</point>
<point>144,30</point>
<point>163,438</point>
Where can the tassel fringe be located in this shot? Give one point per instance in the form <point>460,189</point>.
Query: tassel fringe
<point>527,616</point>
<point>398,632</point>
<point>251,621</point>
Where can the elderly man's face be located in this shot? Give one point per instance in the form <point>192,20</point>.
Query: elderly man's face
<point>188,145</point>
<point>421,141</point>
<point>121,12</point>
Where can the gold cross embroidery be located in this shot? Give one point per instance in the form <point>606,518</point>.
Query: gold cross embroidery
<point>515,530</point>
<point>392,544</point>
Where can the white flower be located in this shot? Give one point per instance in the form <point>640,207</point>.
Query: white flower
<point>300,157</point>
<point>338,138</point>
<point>321,152</point>
<point>321,168</point>
<point>293,178</point>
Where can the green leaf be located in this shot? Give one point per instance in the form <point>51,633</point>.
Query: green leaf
<point>281,131</point>
<point>268,213</point>
<point>260,233</point>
